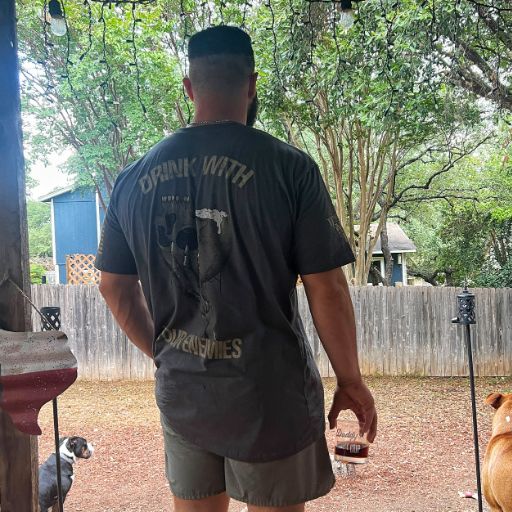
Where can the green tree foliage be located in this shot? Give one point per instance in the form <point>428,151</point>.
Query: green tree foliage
<point>39,229</point>
<point>367,104</point>
<point>37,271</point>
<point>93,91</point>
<point>467,238</point>
<point>472,46</point>
<point>464,242</point>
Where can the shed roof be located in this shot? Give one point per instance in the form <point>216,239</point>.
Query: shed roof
<point>398,241</point>
<point>55,193</point>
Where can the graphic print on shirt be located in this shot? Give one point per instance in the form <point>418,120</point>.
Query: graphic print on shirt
<point>195,244</point>
<point>215,237</point>
<point>178,242</point>
<point>195,236</point>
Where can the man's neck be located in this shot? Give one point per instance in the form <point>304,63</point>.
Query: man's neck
<point>212,112</point>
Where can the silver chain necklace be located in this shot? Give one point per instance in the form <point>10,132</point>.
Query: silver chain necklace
<point>220,121</point>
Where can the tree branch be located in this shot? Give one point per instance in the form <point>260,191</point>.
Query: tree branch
<point>446,167</point>
<point>504,36</point>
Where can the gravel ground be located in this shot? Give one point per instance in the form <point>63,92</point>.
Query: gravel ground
<point>422,457</point>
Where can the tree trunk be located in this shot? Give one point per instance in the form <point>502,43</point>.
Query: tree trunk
<point>449,277</point>
<point>388,257</point>
<point>429,278</point>
<point>375,277</point>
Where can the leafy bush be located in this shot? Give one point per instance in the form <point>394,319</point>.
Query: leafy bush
<point>37,271</point>
<point>493,278</point>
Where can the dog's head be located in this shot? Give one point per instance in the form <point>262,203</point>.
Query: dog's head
<point>76,447</point>
<point>502,421</point>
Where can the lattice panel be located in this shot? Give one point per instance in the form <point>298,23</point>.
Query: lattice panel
<point>80,269</point>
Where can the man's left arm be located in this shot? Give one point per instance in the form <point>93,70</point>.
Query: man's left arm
<point>124,297</point>
<point>119,282</point>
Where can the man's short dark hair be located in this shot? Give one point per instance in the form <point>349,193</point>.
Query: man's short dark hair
<point>220,58</point>
<point>221,40</point>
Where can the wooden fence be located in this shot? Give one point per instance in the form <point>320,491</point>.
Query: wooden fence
<point>102,350</point>
<point>401,331</point>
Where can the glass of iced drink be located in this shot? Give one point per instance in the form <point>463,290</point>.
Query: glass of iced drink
<point>351,444</point>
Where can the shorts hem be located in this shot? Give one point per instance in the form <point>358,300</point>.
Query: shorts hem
<point>198,496</point>
<point>284,503</point>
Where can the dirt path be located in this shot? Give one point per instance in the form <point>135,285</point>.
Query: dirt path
<point>422,457</point>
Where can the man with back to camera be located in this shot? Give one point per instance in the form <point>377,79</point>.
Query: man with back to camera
<point>217,221</point>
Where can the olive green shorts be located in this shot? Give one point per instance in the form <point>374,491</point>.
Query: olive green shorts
<point>194,473</point>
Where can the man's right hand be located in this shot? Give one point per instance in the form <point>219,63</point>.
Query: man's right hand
<point>358,398</point>
<point>331,307</point>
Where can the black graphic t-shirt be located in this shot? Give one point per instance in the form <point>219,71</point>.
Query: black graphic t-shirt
<point>217,221</point>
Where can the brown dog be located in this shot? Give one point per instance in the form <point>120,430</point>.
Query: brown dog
<point>497,467</point>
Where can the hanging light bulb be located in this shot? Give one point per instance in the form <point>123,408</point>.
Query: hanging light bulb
<point>347,14</point>
<point>57,21</point>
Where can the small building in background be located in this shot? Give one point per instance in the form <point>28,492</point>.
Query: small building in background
<point>400,246</point>
<point>76,217</point>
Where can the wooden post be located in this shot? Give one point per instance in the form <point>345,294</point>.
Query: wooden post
<point>18,452</point>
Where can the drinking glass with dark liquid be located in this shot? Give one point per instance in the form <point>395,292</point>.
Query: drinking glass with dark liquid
<point>352,446</point>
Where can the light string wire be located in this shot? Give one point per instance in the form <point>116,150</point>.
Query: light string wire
<point>135,62</point>
<point>67,58</point>
<point>104,85</point>
<point>89,31</point>
<point>46,54</point>
<point>297,25</point>
<point>183,44</point>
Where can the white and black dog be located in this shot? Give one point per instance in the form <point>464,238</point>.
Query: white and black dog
<point>71,449</point>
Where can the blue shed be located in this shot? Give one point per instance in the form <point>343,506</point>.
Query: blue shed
<point>76,217</point>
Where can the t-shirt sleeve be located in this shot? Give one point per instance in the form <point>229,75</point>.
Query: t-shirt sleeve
<point>320,243</point>
<point>114,254</point>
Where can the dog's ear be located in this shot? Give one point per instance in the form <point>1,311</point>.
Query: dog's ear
<point>494,400</point>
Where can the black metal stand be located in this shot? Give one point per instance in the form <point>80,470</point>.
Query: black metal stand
<point>51,321</point>
<point>466,317</point>
<point>467,335</point>
<point>57,454</point>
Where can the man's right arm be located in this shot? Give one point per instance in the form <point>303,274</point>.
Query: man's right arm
<point>333,316</point>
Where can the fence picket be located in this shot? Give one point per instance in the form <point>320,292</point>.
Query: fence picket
<point>401,331</point>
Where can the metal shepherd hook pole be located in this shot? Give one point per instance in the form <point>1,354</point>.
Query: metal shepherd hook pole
<point>51,321</point>
<point>466,317</point>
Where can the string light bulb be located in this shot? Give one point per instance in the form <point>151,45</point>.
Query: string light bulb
<point>57,21</point>
<point>347,14</point>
